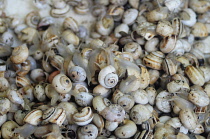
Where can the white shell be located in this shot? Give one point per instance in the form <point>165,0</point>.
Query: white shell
<point>107,77</point>
<point>130,16</point>
<point>188,119</point>
<point>162,102</point>
<point>199,98</point>
<point>140,96</point>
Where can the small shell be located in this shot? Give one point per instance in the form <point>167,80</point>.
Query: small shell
<point>54,115</point>
<point>60,12</point>
<point>188,17</point>
<point>169,66</point>
<point>82,7</point>
<point>199,30</point>
<point>114,113</point>
<point>38,75</point>
<point>71,23</point>
<point>162,102</point>
<point>111,126</point>
<point>133,48</point>
<point>154,76</point>
<point>188,119</point>
<point>127,130</point>
<point>19,54</point>
<point>4,84</point>
<point>199,98</point>
<point>157,14</point>
<point>62,83</point>
<point>172,4</point>
<point>130,16</point>
<point>168,44</point>
<point>39,92</point>
<point>7,129</point>
<point>154,60</point>
<point>140,113</point>
<point>102,91</point>
<point>107,77</point>
<point>23,68</point>
<point>151,45</point>
<point>100,103</point>
<point>28,35</point>
<point>19,116</point>
<point>15,97</point>
<point>70,37</point>
<point>98,121</point>
<point>151,93</point>
<point>22,81</point>
<point>105,25</point>
<point>89,131</point>
<point>83,98</point>
<point>164,28</point>
<point>32,19</point>
<point>84,117</point>
<point>33,117</point>
<point>77,74</point>
<point>195,76</point>
<point>140,96</point>
<point>4,105</point>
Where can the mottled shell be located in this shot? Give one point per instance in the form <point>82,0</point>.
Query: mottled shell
<point>199,30</point>
<point>199,98</point>
<point>164,28</point>
<point>162,102</point>
<point>19,54</point>
<point>188,119</point>
<point>114,113</point>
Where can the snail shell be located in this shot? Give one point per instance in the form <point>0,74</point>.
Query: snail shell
<point>54,115</point>
<point>19,54</point>
<point>4,84</point>
<point>89,131</point>
<point>154,60</point>
<point>198,97</point>
<point>84,117</point>
<point>114,113</point>
<point>19,116</point>
<point>195,76</point>
<point>140,113</point>
<point>32,19</point>
<point>188,119</point>
<point>77,74</point>
<point>62,83</point>
<point>39,92</point>
<point>4,105</point>
<point>15,97</point>
<point>107,77</point>
<point>71,23</point>
<point>22,81</point>
<point>100,103</point>
<point>33,117</point>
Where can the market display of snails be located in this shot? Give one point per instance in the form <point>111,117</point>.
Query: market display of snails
<point>140,70</point>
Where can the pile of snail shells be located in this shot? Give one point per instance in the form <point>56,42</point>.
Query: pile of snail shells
<point>141,71</point>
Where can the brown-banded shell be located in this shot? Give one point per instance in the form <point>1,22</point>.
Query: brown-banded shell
<point>34,117</point>
<point>22,81</point>
<point>195,75</point>
<point>154,60</point>
<point>169,66</point>
<point>84,117</point>
<point>54,115</point>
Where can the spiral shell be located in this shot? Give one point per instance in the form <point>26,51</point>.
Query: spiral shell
<point>54,115</point>
<point>107,77</point>
<point>154,60</point>
<point>33,117</point>
<point>62,83</point>
<point>19,54</point>
<point>32,19</point>
<point>84,117</point>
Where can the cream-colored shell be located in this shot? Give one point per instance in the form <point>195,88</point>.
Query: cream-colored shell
<point>199,98</point>
<point>7,129</point>
<point>127,130</point>
<point>84,117</point>
<point>4,105</point>
<point>19,54</point>
<point>62,83</point>
<point>34,117</point>
<point>140,113</point>
<point>188,119</point>
<point>162,102</point>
